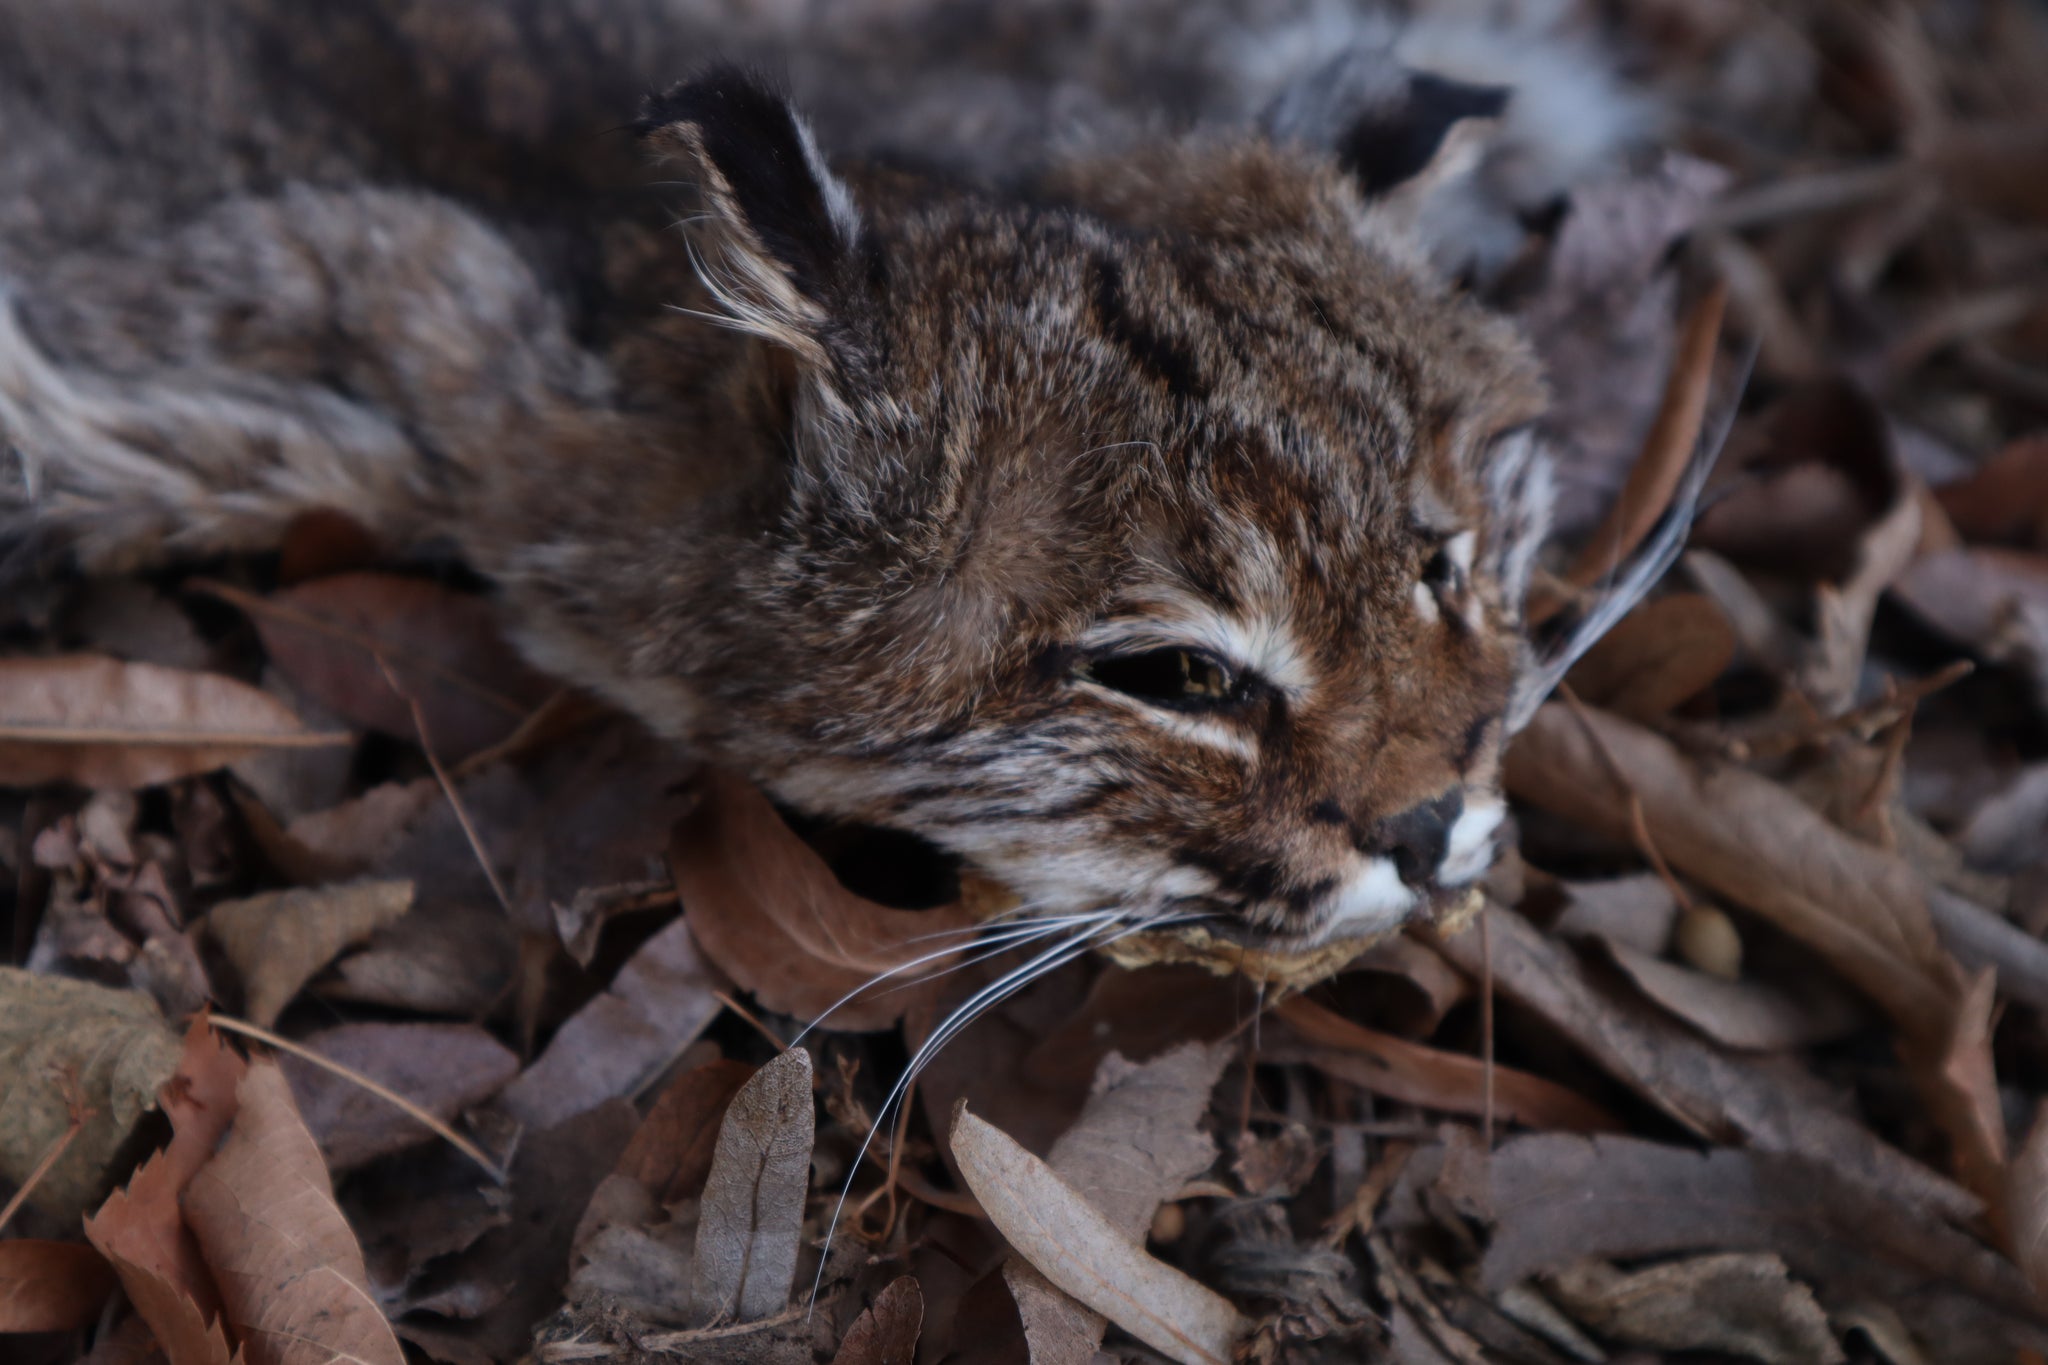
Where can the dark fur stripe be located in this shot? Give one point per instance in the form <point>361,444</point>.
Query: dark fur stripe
<point>1161,357</point>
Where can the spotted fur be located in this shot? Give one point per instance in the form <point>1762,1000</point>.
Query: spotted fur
<point>867,480</point>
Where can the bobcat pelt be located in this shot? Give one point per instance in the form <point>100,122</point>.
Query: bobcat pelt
<point>1129,508</point>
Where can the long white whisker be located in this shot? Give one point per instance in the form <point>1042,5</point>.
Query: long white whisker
<point>1006,936</point>
<point>963,1014</point>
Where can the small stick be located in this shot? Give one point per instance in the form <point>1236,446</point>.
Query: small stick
<point>389,1096</point>
<point>79,1111</point>
<point>476,844</point>
<point>743,1012</point>
<point>1639,824</point>
<point>1485,1031</point>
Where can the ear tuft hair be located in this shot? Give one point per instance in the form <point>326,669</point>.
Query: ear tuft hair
<point>780,223</point>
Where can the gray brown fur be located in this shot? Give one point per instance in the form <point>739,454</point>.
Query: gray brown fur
<point>853,502</point>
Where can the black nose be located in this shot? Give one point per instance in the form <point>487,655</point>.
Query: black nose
<point>1416,839</point>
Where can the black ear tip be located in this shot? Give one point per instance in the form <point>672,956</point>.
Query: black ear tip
<point>1395,142</point>
<point>724,92</point>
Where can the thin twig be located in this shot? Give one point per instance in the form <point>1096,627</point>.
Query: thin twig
<point>1638,822</point>
<point>79,1111</point>
<point>370,645</point>
<point>743,1012</point>
<point>1485,1030</point>
<point>382,1092</point>
<point>476,844</point>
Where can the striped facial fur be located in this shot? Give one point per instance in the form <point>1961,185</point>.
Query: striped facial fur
<point>1155,539</point>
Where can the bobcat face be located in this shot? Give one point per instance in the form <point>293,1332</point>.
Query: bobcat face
<point>1156,542</point>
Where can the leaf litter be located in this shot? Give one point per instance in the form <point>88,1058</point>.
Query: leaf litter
<point>1744,1060</point>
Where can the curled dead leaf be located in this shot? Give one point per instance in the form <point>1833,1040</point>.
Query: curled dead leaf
<point>769,912</point>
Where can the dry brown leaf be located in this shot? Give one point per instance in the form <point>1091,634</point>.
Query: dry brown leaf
<point>64,1042</point>
<point>1739,1304</point>
<point>1993,600</point>
<point>2026,1208</point>
<point>769,912</point>
<point>645,1271</point>
<point>141,1229</point>
<point>1660,654</point>
<point>344,840</point>
<point>1667,451</point>
<point>99,722</point>
<point>2004,501</point>
<point>1556,1200</point>
<point>751,1222</point>
<point>51,1286</point>
<point>1433,1078</point>
<point>1752,842</point>
<point>443,646</point>
<point>659,1000</point>
<point>290,1273</point>
<point>1410,987</point>
<point>886,1331</point>
<point>442,957</point>
<point>1955,1072</point>
<point>280,940</point>
<point>1134,1146</point>
<point>1638,911</point>
<point>1603,321</point>
<point>670,1154</point>
<point>511,1276</point>
<point>1140,1013</point>
<point>443,1068</point>
<point>667,1160</point>
<point>1749,1016</point>
<point>1721,1097</point>
<point>1068,1241</point>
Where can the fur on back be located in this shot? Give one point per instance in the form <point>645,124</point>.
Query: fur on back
<point>1112,492</point>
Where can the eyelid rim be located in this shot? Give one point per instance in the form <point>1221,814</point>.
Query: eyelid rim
<point>1245,684</point>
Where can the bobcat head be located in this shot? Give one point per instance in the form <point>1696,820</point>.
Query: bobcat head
<point>1154,536</point>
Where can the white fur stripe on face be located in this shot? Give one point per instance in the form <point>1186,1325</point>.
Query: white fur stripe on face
<point>1373,899</point>
<point>1263,645</point>
<point>1469,851</point>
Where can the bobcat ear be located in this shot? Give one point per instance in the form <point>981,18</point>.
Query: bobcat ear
<point>777,226</point>
<point>1397,139</point>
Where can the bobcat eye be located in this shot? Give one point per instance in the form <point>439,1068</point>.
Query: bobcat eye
<point>1182,678</point>
<point>1438,571</point>
<point>1449,563</point>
